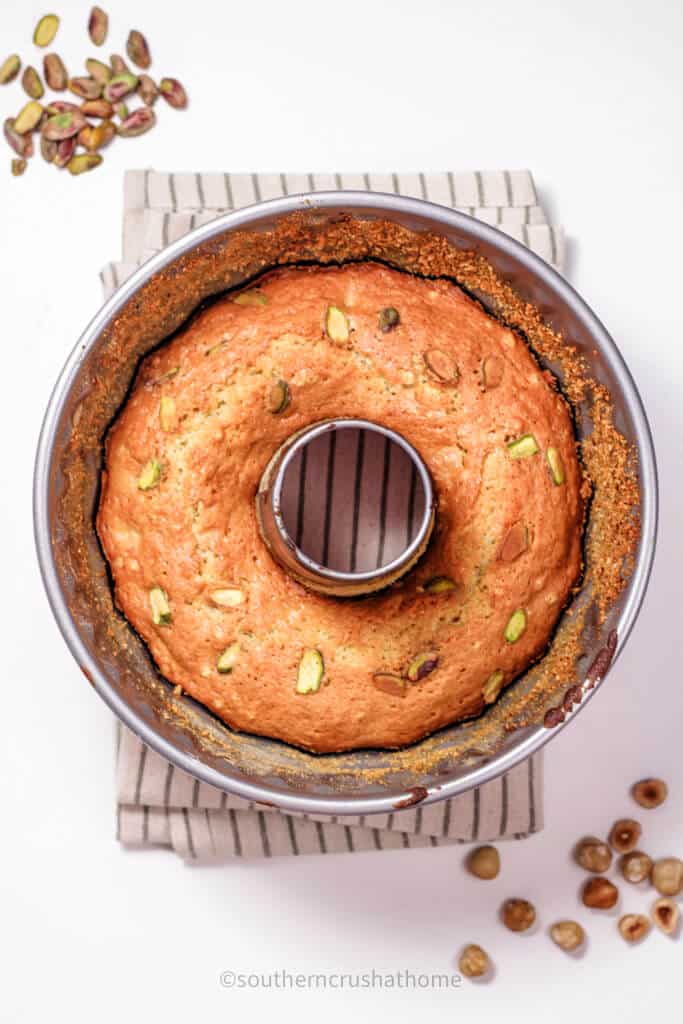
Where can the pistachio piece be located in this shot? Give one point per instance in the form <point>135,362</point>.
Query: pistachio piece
<point>311,671</point>
<point>137,49</point>
<point>441,366</point>
<point>421,666</point>
<point>121,111</point>
<point>474,961</point>
<point>439,585</point>
<point>137,123</point>
<point>147,90</point>
<point>667,876</point>
<point>518,915</point>
<point>492,687</point>
<point>635,866</point>
<point>666,915</point>
<point>515,542</point>
<point>624,835</point>
<point>151,473</point>
<point>31,83</point>
<point>388,319</point>
<point>389,683</point>
<point>48,149</point>
<point>492,370</point>
<point>173,92</point>
<point>161,609</point>
<point>593,854</point>
<point>253,297</point>
<point>19,165</point>
<point>650,793</point>
<point>227,597</point>
<point>278,397</point>
<point>63,126</point>
<point>633,927</point>
<point>85,87</point>
<point>102,73</point>
<point>98,25</point>
<point>92,138</point>
<point>599,893</point>
<point>55,73</point>
<point>484,862</point>
<point>523,447</point>
<point>166,411</point>
<point>65,150</point>
<point>119,86</point>
<point>336,325</point>
<point>46,30</point>
<point>228,659</point>
<point>97,108</point>
<point>28,117</point>
<point>21,144</point>
<point>555,466</point>
<point>118,65</point>
<point>9,69</point>
<point>516,626</point>
<point>568,935</point>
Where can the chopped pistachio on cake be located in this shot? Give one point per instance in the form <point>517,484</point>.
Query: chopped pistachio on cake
<point>278,397</point>
<point>150,476</point>
<point>515,626</point>
<point>389,683</point>
<point>311,671</point>
<point>161,609</point>
<point>555,465</point>
<point>421,666</point>
<point>388,319</point>
<point>228,659</point>
<point>441,365</point>
<point>227,597</point>
<point>523,447</point>
<point>439,585</point>
<point>167,413</point>
<point>493,686</point>
<point>253,297</point>
<point>336,325</point>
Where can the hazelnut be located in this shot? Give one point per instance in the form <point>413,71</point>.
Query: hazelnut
<point>568,935</point>
<point>667,876</point>
<point>666,914</point>
<point>484,862</point>
<point>634,927</point>
<point>600,894</point>
<point>474,962</point>
<point>518,915</point>
<point>593,854</point>
<point>624,835</point>
<point>635,866</point>
<point>650,792</point>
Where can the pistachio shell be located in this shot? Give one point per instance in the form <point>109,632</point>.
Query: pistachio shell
<point>46,30</point>
<point>55,73</point>
<point>98,25</point>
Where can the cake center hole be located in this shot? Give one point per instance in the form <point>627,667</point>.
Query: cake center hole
<point>352,499</point>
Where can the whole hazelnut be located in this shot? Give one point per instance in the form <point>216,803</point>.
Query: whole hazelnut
<point>518,915</point>
<point>667,876</point>
<point>635,866</point>
<point>484,862</point>
<point>474,961</point>
<point>650,792</point>
<point>666,915</point>
<point>593,854</point>
<point>600,894</point>
<point>624,835</point>
<point>568,935</point>
<point>634,927</point>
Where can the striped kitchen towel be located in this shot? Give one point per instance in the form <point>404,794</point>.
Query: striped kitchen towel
<point>162,806</point>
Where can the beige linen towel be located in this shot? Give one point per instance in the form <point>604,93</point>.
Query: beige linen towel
<point>162,806</point>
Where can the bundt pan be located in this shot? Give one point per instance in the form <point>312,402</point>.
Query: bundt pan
<point>417,237</point>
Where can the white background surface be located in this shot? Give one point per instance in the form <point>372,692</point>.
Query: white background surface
<point>588,95</point>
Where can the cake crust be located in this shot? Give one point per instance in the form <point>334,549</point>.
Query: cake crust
<point>508,528</point>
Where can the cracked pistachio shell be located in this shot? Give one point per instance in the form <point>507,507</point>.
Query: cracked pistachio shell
<point>336,325</point>
<point>55,73</point>
<point>9,69</point>
<point>98,25</point>
<point>46,30</point>
<point>310,672</point>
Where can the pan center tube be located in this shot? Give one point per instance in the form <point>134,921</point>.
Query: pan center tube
<point>346,507</point>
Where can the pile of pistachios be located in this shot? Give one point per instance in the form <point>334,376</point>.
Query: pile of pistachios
<point>598,893</point>
<point>71,134</point>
